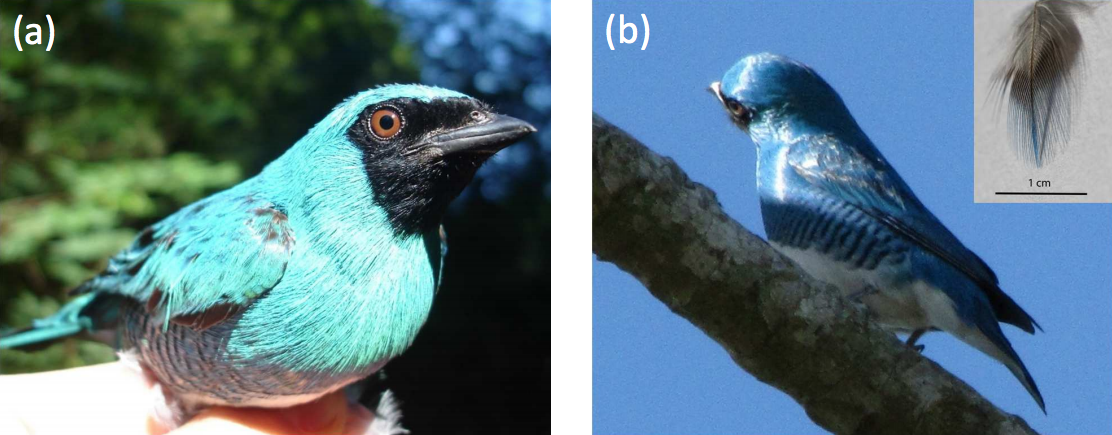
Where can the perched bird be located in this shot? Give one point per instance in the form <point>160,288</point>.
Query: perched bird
<point>833,204</point>
<point>305,278</point>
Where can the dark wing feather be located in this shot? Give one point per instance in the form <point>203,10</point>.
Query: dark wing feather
<point>204,263</point>
<point>866,181</point>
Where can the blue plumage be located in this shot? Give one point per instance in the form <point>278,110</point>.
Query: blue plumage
<point>310,275</point>
<point>831,202</point>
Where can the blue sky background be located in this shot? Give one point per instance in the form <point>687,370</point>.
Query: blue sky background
<point>906,72</point>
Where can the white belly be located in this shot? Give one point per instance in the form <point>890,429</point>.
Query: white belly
<point>901,307</point>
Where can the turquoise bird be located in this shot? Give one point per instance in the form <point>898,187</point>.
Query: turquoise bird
<point>304,279</point>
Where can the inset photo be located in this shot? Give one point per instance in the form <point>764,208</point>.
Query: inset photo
<point>786,242</point>
<point>1042,101</point>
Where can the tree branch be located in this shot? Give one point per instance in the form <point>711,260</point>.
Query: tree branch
<point>775,321</point>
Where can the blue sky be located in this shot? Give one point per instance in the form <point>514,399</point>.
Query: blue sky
<point>906,72</point>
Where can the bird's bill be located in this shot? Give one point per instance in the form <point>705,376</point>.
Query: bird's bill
<point>716,89</point>
<point>488,138</point>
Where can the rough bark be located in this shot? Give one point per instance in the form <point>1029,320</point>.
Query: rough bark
<point>776,322</point>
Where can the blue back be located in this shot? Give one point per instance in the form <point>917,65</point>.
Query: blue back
<point>809,144</point>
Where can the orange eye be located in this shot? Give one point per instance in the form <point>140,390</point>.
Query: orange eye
<point>386,123</point>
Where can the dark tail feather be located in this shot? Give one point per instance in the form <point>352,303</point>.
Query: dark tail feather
<point>1011,360</point>
<point>1020,371</point>
<point>1024,377</point>
<point>1008,311</point>
<point>87,313</point>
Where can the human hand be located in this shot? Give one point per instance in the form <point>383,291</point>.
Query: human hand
<point>115,399</point>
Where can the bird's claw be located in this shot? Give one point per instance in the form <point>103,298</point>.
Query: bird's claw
<point>914,337</point>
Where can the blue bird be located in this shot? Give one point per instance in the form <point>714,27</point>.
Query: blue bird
<point>832,203</point>
<point>305,278</point>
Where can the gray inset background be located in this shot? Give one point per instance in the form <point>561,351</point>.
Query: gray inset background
<point>1086,163</point>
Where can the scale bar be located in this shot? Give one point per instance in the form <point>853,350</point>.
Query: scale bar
<point>1043,193</point>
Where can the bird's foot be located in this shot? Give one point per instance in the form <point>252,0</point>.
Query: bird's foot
<point>911,339</point>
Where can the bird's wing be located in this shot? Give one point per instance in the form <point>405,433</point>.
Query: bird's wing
<point>868,182</point>
<point>204,263</point>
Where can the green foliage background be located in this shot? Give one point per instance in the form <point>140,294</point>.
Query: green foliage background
<point>142,107</point>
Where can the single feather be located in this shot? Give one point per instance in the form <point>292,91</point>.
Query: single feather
<point>1039,77</point>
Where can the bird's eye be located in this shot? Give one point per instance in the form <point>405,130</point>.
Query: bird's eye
<point>386,123</point>
<point>739,112</point>
<point>735,108</point>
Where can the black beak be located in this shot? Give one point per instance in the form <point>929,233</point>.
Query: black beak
<point>488,138</point>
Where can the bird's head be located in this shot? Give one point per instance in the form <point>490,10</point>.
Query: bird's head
<point>763,89</point>
<point>419,146</point>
